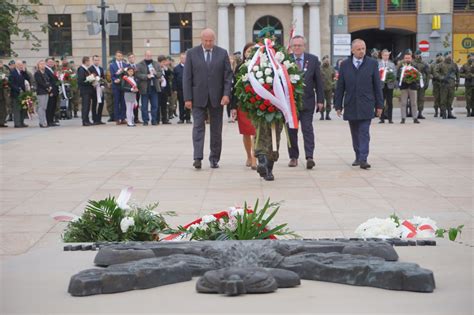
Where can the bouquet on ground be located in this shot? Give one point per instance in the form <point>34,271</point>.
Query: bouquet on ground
<point>270,86</point>
<point>395,227</point>
<point>93,79</point>
<point>113,220</point>
<point>235,224</point>
<point>28,101</point>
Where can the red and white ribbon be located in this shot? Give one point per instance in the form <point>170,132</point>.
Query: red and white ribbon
<point>410,231</point>
<point>282,96</point>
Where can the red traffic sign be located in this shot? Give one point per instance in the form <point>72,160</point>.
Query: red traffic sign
<point>424,45</point>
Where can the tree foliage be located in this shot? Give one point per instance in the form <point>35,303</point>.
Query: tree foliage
<point>12,14</point>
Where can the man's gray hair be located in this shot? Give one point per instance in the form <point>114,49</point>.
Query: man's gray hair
<point>357,40</point>
<point>298,36</point>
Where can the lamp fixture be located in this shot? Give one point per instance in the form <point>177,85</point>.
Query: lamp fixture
<point>150,8</point>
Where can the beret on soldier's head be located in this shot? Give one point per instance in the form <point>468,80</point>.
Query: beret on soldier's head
<point>439,54</point>
<point>447,53</point>
<point>12,62</point>
<point>418,52</point>
<point>266,32</point>
<point>408,52</point>
<point>325,57</point>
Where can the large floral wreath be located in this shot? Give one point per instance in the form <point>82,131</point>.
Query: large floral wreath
<point>270,86</point>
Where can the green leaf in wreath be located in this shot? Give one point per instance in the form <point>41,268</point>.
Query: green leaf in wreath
<point>270,117</point>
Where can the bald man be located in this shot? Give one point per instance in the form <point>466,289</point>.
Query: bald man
<point>207,81</point>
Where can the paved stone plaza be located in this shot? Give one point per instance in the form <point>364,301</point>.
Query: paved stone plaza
<point>424,170</point>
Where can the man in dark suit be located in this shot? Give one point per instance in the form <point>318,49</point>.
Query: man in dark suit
<point>207,82</point>
<point>148,76</point>
<point>53,98</point>
<point>86,89</point>
<point>359,87</point>
<point>116,71</point>
<point>310,65</point>
<point>97,107</point>
<point>184,113</point>
<point>17,85</point>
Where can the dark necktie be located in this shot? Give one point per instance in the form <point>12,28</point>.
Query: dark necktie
<point>358,64</point>
<point>208,57</point>
<point>299,63</point>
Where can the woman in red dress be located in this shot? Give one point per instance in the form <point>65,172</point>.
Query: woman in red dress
<point>246,129</point>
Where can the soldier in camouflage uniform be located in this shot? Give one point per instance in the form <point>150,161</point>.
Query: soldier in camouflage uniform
<point>436,83</point>
<point>8,69</point>
<point>447,73</point>
<point>109,96</point>
<point>467,72</point>
<point>75,92</point>
<point>328,74</point>
<point>263,148</point>
<point>424,69</point>
<point>4,93</point>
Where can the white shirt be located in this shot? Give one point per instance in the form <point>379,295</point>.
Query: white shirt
<point>98,70</point>
<point>205,52</point>
<point>355,60</point>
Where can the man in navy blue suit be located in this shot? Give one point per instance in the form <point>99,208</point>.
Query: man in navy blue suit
<point>359,87</point>
<point>17,85</point>
<point>184,113</point>
<point>116,70</point>
<point>310,65</point>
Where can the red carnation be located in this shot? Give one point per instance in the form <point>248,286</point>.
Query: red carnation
<point>248,88</point>
<point>267,86</point>
<point>262,107</point>
<point>271,109</point>
<point>258,98</point>
<point>252,100</point>
<point>267,102</point>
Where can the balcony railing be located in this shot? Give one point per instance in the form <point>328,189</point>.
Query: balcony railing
<point>401,5</point>
<point>362,6</point>
<point>463,5</point>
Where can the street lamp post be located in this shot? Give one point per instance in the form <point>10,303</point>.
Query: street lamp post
<point>102,8</point>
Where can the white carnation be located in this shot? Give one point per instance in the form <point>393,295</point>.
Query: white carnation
<point>256,68</point>
<point>279,56</point>
<point>287,64</point>
<point>269,80</point>
<point>268,71</point>
<point>126,223</point>
<point>418,221</point>
<point>208,219</point>
<point>236,211</point>
<point>375,227</point>
<point>261,80</point>
<point>259,74</point>
<point>194,227</point>
<point>263,58</point>
<point>245,77</point>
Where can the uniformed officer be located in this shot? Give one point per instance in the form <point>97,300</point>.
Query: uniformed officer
<point>448,74</point>
<point>328,74</point>
<point>424,69</point>
<point>436,83</point>
<point>467,72</point>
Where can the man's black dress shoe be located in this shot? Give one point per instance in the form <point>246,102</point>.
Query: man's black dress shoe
<point>364,165</point>
<point>197,164</point>
<point>214,164</point>
<point>356,163</point>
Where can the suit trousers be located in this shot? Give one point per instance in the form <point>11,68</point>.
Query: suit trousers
<point>405,94</point>
<point>306,120</point>
<point>184,113</point>
<point>199,131</point>
<point>41,109</point>
<point>86,97</point>
<point>18,112</point>
<point>51,109</point>
<point>360,138</point>
<point>119,102</point>
<point>162,107</point>
<point>388,100</point>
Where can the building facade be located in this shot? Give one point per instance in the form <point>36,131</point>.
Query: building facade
<point>169,27</point>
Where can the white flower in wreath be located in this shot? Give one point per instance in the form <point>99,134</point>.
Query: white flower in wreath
<point>232,224</point>
<point>194,227</point>
<point>268,71</point>
<point>259,74</point>
<point>294,78</point>
<point>279,56</point>
<point>261,80</point>
<point>375,227</point>
<point>287,64</point>
<point>269,80</point>
<point>208,219</point>
<point>263,58</point>
<point>126,223</point>
<point>247,62</point>
<point>245,77</point>
<point>264,65</point>
<point>255,68</point>
<point>236,212</point>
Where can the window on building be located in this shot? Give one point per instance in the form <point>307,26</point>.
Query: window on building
<point>463,5</point>
<point>60,35</point>
<point>5,44</point>
<point>401,5</point>
<point>363,5</point>
<point>272,21</point>
<point>124,40</point>
<point>181,32</point>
